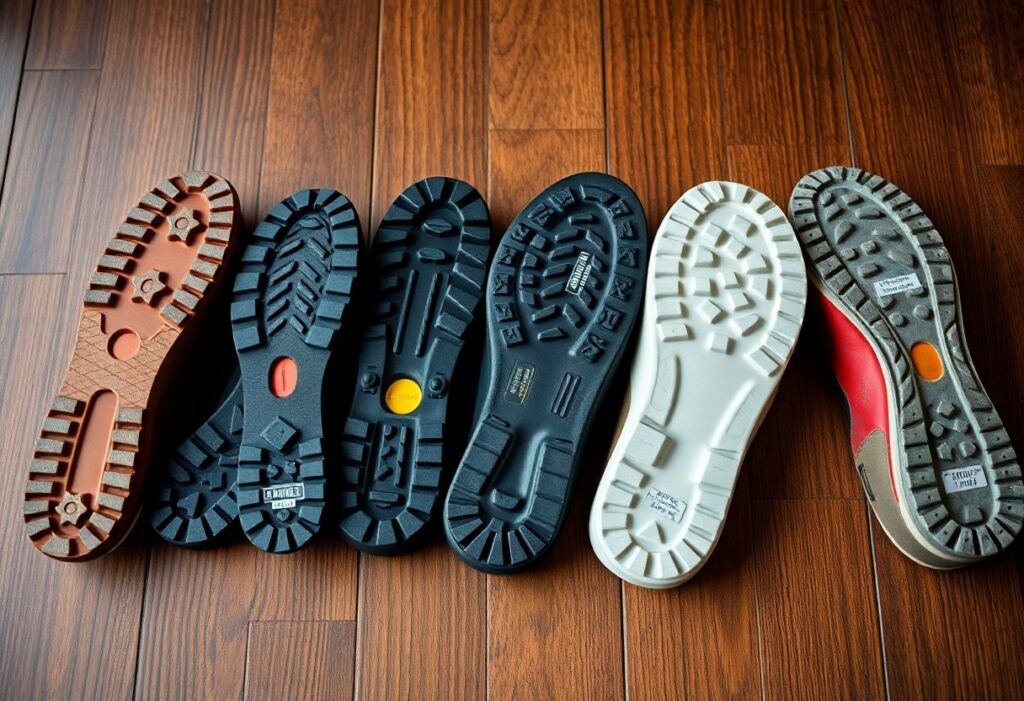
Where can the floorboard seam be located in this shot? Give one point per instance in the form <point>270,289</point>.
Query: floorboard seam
<point>17,104</point>
<point>842,82</point>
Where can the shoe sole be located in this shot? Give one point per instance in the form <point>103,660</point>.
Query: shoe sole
<point>291,297</point>
<point>88,468</point>
<point>563,295</point>
<point>196,502</point>
<point>429,262</point>
<point>725,301</point>
<point>879,260</point>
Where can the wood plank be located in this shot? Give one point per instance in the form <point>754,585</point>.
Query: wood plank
<point>431,120</point>
<point>41,201</point>
<point>818,619</point>
<point>662,73</point>
<point>802,449</point>
<point>537,619</point>
<point>317,138</point>
<point>66,632</point>
<point>15,17</point>
<point>917,133</point>
<point>198,604</point>
<point>987,62</point>
<point>301,660</point>
<point>545,65</point>
<point>67,34</point>
<point>323,137</point>
<point>700,640</point>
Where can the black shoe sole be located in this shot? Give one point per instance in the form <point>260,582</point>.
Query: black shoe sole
<point>427,269</point>
<point>196,501</point>
<point>291,298</point>
<point>563,296</point>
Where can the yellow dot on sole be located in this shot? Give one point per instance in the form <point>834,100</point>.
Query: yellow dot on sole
<point>403,396</point>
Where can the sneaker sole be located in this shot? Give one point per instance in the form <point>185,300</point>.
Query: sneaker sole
<point>291,298</point>
<point>196,502</point>
<point>86,478</point>
<point>725,302</point>
<point>879,260</point>
<point>429,262</point>
<point>563,295</point>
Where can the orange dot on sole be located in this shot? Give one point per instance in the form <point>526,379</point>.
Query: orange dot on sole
<point>284,375</point>
<point>927,362</point>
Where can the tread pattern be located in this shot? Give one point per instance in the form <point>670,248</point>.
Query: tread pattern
<point>726,296</point>
<point>149,282</point>
<point>196,501</point>
<point>291,297</point>
<point>857,229</point>
<point>429,261</point>
<point>563,295</point>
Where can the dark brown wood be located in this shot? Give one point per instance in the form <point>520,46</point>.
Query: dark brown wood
<point>818,620</point>
<point>68,34</point>
<point>38,216</point>
<point>545,65</point>
<point>301,660</point>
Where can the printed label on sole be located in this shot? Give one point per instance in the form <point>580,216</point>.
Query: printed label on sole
<point>900,283</point>
<point>665,504</point>
<point>284,496</point>
<point>580,273</point>
<point>961,479</point>
<point>519,383</point>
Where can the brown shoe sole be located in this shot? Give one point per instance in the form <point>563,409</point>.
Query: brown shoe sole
<point>85,482</point>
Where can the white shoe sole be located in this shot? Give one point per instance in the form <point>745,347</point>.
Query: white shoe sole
<point>725,298</point>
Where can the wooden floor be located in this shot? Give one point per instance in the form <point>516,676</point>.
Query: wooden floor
<point>804,597</point>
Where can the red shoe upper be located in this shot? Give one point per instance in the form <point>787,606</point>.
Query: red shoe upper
<point>859,373</point>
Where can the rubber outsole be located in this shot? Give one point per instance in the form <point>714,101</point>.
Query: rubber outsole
<point>291,298</point>
<point>879,259</point>
<point>86,478</point>
<point>428,263</point>
<point>196,501</point>
<point>563,295</point>
<point>725,301</point>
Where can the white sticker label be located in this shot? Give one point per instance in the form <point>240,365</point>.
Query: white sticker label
<point>580,273</point>
<point>284,496</point>
<point>960,479</point>
<point>665,504</point>
<point>900,283</point>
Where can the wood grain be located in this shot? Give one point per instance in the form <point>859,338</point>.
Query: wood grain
<point>37,219</point>
<point>538,619</point>
<point>321,137</point>
<point>818,620</point>
<point>545,65</point>
<point>15,17</point>
<point>204,600</point>
<point>66,632</point>
<point>67,34</point>
<point>300,660</point>
<point>422,630</point>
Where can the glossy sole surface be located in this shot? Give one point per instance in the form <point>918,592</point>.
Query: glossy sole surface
<point>86,477</point>
<point>427,268</point>
<point>563,294</point>
<point>725,301</point>
<point>879,259</point>
<point>291,299</point>
<point>196,500</point>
